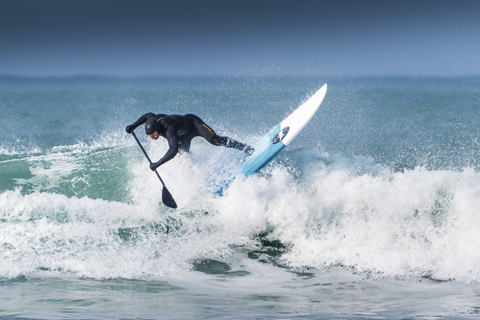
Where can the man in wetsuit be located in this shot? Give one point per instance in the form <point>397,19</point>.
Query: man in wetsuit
<point>179,132</point>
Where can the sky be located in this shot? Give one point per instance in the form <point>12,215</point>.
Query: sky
<point>240,37</point>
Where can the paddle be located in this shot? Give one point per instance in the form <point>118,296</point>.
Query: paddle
<point>167,198</point>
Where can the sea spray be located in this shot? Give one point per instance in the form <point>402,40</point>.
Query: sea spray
<point>372,212</point>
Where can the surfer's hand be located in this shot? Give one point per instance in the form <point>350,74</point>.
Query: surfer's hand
<point>153,166</point>
<point>129,129</point>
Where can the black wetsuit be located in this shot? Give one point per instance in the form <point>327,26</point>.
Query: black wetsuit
<point>180,130</point>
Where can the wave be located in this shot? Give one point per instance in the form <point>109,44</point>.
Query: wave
<point>93,211</point>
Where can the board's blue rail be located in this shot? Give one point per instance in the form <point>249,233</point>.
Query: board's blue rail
<point>258,161</point>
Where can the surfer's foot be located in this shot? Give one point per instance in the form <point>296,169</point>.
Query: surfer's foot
<point>249,150</point>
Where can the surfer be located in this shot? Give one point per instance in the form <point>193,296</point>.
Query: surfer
<point>179,131</point>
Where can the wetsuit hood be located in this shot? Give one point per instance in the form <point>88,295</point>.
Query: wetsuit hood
<point>151,126</point>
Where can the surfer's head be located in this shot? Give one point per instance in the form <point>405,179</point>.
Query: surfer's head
<point>152,129</point>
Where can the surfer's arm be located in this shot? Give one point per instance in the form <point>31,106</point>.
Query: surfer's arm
<point>171,136</point>
<point>139,122</point>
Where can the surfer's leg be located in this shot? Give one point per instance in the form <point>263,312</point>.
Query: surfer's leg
<point>208,134</point>
<point>230,143</point>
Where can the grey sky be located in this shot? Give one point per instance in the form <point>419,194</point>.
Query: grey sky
<point>243,37</point>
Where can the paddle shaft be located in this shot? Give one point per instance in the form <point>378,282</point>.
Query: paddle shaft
<point>148,158</point>
<point>167,198</point>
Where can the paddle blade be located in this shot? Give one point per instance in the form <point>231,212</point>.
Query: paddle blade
<point>167,199</point>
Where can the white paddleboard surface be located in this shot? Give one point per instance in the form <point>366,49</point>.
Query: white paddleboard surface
<point>281,135</point>
<point>300,117</point>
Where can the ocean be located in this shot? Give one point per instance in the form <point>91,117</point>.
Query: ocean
<point>372,212</point>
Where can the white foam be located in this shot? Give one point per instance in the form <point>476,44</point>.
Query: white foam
<point>329,210</point>
<point>18,147</point>
<point>417,223</point>
<point>49,170</point>
<point>340,210</point>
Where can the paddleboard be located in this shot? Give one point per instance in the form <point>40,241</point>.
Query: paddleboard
<point>282,134</point>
